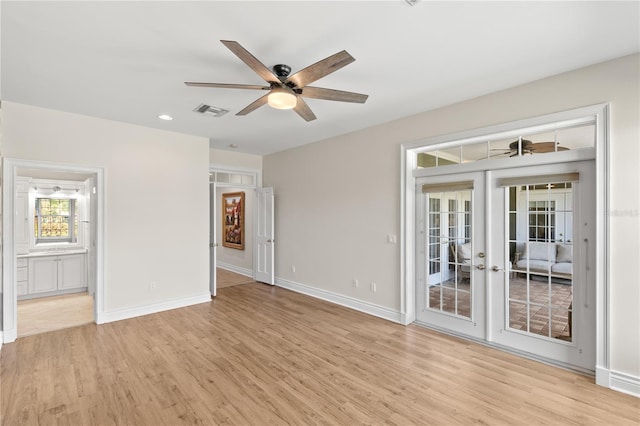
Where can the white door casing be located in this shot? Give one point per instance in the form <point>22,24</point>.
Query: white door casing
<point>213,241</point>
<point>264,240</point>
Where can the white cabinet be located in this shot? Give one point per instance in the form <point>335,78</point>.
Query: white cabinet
<point>21,219</point>
<point>22,279</point>
<point>72,271</point>
<point>43,274</point>
<point>49,274</point>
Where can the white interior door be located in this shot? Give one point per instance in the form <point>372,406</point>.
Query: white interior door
<point>542,245</point>
<point>450,251</point>
<point>264,241</point>
<point>213,244</point>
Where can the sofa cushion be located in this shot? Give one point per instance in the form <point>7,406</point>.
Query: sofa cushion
<point>540,251</point>
<point>565,253</point>
<point>562,268</point>
<point>535,265</point>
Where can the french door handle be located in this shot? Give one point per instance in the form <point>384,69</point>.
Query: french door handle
<point>496,269</point>
<point>271,240</point>
<point>480,266</point>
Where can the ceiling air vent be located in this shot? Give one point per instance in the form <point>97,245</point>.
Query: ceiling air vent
<point>210,110</point>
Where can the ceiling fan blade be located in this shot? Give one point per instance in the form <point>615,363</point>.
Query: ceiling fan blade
<point>303,110</point>
<point>228,86</point>
<point>333,95</point>
<point>254,105</point>
<point>321,69</point>
<point>253,63</point>
<point>543,147</point>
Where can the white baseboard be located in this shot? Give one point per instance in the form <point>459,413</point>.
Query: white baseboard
<point>625,383</point>
<point>168,305</point>
<point>237,269</point>
<point>338,299</point>
<point>617,381</point>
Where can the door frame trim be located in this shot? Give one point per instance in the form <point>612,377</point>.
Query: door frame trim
<point>599,112</point>
<point>257,183</point>
<point>9,284</point>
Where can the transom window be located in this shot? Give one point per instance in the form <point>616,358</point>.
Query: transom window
<point>55,220</point>
<point>565,136</point>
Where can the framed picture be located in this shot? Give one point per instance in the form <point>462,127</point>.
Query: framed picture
<point>233,220</point>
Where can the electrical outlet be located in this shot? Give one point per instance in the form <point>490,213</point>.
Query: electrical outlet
<point>293,268</point>
<point>373,287</point>
<point>355,283</point>
<point>153,285</point>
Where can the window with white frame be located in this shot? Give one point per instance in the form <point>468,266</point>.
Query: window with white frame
<point>55,220</point>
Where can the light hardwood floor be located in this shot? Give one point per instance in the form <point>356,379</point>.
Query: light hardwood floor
<point>226,278</point>
<point>262,355</point>
<point>46,314</point>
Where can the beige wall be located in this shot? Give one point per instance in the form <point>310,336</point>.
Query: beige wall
<point>219,157</point>
<point>337,200</point>
<point>156,198</point>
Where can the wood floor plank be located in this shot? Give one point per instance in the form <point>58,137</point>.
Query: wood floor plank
<point>258,355</point>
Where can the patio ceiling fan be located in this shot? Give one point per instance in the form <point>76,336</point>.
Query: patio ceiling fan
<point>287,91</point>
<point>524,146</point>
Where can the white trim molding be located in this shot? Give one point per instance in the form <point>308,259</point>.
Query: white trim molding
<point>237,269</point>
<point>617,381</point>
<point>338,299</point>
<point>139,311</point>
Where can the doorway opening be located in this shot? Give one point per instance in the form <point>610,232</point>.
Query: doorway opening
<point>237,257</point>
<point>52,275</point>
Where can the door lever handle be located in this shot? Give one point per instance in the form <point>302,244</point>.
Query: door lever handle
<point>496,269</point>
<point>480,266</point>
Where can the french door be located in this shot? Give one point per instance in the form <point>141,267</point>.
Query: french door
<point>450,245</point>
<point>506,256</point>
<point>541,278</point>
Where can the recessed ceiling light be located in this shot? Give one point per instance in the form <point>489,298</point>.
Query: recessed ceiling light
<point>165,117</point>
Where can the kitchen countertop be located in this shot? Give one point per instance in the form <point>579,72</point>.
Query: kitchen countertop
<point>52,253</point>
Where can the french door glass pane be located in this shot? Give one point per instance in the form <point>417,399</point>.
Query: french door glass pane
<point>449,252</point>
<point>540,284</point>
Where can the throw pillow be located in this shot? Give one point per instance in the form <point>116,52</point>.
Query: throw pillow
<point>565,253</point>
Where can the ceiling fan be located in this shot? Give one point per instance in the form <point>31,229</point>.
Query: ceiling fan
<point>286,91</point>
<point>524,146</point>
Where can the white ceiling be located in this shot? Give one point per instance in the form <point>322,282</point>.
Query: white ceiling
<point>127,61</point>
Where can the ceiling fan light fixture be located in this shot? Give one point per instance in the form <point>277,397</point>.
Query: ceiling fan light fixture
<point>280,98</point>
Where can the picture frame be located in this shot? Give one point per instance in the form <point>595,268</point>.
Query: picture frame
<point>233,220</point>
